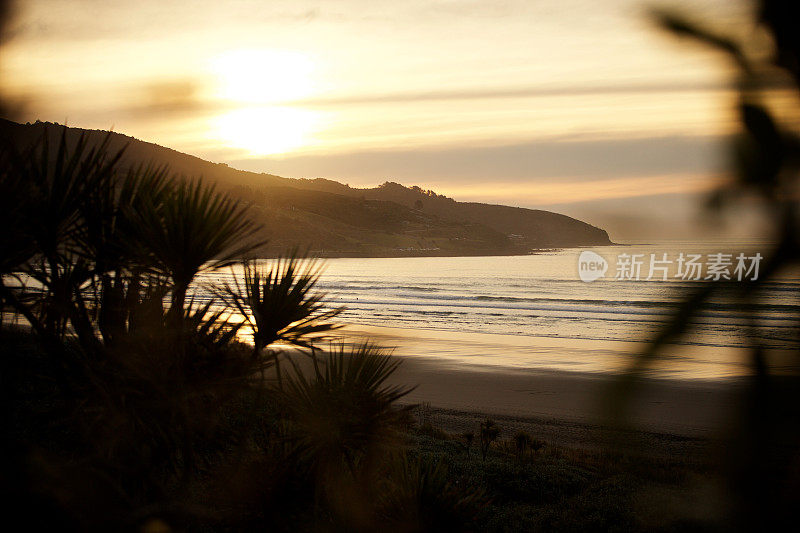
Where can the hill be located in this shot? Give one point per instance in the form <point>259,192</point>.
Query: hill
<point>334,220</point>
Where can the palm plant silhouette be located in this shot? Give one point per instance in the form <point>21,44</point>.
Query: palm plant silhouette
<point>16,247</point>
<point>111,240</point>
<point>194,229</point>
<point>147,374</point>
<point>344,423</point>
<point>56,189</point>
<point>279,304</point>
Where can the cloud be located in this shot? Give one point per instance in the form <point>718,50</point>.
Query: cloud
<point>538,193</point>
<point>542,161</point>
<point>519,92</point>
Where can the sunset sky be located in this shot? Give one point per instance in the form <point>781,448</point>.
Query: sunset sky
<point>579,106</point>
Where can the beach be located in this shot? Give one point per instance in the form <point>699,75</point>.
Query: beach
<point>524,338</point>
<point>563,406</point>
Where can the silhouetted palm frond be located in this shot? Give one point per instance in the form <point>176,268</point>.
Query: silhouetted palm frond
<point>15,242</point>
<point>345,413</point>
<point>279,304</point>
<point>55,184</point>
<point>194,229</point>
<point>211,327</point>
<point>59,184</point>
<point>110,236</point>
<point>420,497</point>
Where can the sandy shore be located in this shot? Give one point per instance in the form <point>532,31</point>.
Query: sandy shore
<point>570,403</point>
<point>684,408</point>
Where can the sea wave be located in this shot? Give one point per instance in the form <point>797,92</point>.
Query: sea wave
<point>542,296</point>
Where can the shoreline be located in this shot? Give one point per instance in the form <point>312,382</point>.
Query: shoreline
<point>581,400</point>
<point>464,391</point>
<point>695,363</point>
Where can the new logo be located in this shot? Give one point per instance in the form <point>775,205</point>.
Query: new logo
<point>591,266</point>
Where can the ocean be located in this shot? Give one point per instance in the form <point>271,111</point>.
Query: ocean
<point>535,311</point>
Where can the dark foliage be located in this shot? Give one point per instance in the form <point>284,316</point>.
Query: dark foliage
<point>488,434</point>
<point>762,452</point>
<point>127,407</point>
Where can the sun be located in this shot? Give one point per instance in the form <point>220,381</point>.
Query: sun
<point>257,85</point>
<point>266,130</point>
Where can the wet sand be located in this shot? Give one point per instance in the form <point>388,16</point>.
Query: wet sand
<point>454,383</point>
<point>569,401</point>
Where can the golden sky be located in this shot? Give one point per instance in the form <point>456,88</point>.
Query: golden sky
<point>541,103</point>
